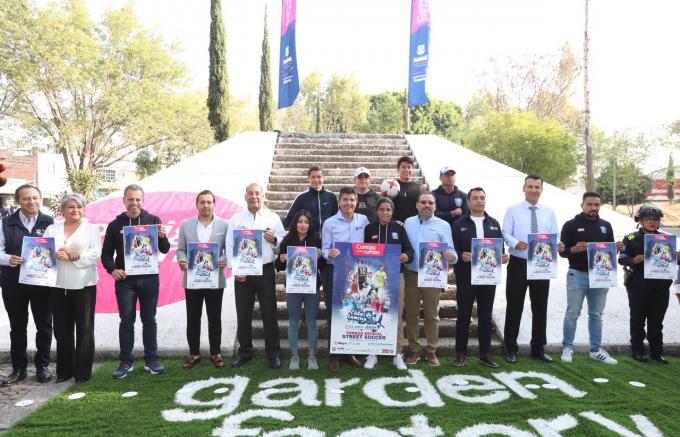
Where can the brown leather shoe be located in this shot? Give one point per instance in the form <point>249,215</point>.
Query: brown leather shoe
<point>460,359</point>
<point>352,360</point>
<point>334,366</point>
<point>217,360</point>
<point>191,361</point>
<point>412,358</point>
<point>432,359</point>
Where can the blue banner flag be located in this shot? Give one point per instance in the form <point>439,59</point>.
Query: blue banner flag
<point>289,84</point>
<point>419,52</point>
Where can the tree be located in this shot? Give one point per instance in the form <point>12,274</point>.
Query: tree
<point>670,179</point>
<point>438,117</point>
<point>632,185</point>
<point>384,113</point>
<point>96,92</point>
<point>265,96</point>
<point>305,114</point>
<point>527,143</point>
<point>343,107</point>
<point>218,81</point>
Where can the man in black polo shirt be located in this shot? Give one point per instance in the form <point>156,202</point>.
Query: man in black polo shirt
<point>405,202</point>
<point>586,227</point>
<point>28,221</point>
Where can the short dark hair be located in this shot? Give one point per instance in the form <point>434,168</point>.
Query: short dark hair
<point>133,187</point>
<point>203,193</point>
<point>384,200</point>
<point>591,194</point>
<point>476,189</point>
<point>17,192</point>
<point>347,190</point>
<point>426,193</point>
<point>535,177</point>
<point>313,168</point>
<point>404,159</point>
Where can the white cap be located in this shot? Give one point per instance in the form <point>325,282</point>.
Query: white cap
<point>362,170</point>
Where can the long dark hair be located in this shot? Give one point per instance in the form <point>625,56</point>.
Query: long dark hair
<point>292,230</point>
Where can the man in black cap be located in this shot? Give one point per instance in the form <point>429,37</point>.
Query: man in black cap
<point>451,201</point>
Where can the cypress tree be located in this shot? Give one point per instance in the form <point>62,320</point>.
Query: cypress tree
<point>265,96</point>
<point>218,86</point>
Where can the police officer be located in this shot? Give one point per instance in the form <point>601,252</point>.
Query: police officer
<point>647,298</point>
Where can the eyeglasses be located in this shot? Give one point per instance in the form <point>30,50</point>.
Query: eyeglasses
<point>363,176</point>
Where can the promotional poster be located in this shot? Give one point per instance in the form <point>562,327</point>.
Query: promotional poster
<point>140,245</point>
<point>203,271</point>
<point>433,269</point>
<point>365,299</point>
<point>486,261</point>
<point>542,256</point>
<point>301,269</point>
<point>38,262</point>
<point>602,265</point>
<point>247,252</point>
<point>661,261</point>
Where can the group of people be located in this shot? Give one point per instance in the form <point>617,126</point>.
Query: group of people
<point>317,218</point>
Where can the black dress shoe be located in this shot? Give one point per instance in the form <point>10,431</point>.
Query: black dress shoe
<point>459,361</point>
<point>14,377</point>
<point>488,362</point>
<point>541,356</point>
<point>275,362</point>
<point>43,374</point>
<point>659,359</point>
<point>511,357</point>
<point>639,356</point>
<point>62,379</point>
<point>240,361</point>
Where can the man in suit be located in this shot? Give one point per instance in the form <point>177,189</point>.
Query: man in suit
<point>204,228</point>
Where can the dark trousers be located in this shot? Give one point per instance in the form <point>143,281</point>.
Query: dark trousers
<point>648,302</point>
<point>265,288</point>
<point>17,298</point>
<point>74,308</point>
<point>213,308</point>
<point>128,291</point>
<point>466,295</point>
<point>328,300</point>
<point>515,292</point>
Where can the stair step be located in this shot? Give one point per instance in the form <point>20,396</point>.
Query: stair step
<point>330,160</point>
<point>333,150</point>
<point>301,170</point>
<point>341,164</point>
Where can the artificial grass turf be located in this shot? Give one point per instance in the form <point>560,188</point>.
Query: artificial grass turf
<point>104,412</point>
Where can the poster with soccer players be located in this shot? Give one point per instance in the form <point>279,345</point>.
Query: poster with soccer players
<point>140,246</point>
<point>301,269</point>
<point>542,256</point>
<point>661,261</point>
<point>433,269</point>
<point>247,252</point>
<point>38,262</point>
<point>486,261</point>
<point>365,299</point>
<point>601,265</point>
<point>203,271</point>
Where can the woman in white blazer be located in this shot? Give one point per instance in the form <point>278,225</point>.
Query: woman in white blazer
<point>78,246</point>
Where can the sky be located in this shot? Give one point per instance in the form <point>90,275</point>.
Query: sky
<point>633,72</point>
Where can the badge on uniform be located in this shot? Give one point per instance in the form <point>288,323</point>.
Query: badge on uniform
<point>395,235</point>
<point>603,229</point>
<point>458,201</point>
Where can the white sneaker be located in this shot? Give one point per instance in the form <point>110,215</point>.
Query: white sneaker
<point>603,356</point>
<point>294,362</point>
<point>567,355</point>
<point>371,361</point>
<point>398,362</point>
<point>312,364</point>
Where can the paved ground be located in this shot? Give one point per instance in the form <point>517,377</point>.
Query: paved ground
<point>29,388</point>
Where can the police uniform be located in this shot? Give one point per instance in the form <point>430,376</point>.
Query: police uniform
<point>647,298</point>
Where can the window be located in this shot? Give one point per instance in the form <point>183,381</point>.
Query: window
<point>107,174</point>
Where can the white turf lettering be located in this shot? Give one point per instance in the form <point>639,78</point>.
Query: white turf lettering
<point>305,391</point>
<point>643,424</point>
<point>511,380</point>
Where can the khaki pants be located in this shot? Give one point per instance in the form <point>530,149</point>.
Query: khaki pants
<point>412,297</point>
<point>400,315</point>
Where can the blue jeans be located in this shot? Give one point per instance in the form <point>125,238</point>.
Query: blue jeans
<point>294,303</point>
<point>128,291</point>
<point>577,289</point>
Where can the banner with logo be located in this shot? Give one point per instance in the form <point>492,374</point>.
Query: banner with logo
<point>365,299</point>
<point>419,52</point>
<point>661,260</point>
<point>289,85</point>
<point>247,252</point>
<point>542,256</point>
<point>140,246</point>
<point>301,269</point>
<point>486,261</point>
<point>203,271</point>
<point>433,269</point>
<point>38,262</point>
<point>602,265</point>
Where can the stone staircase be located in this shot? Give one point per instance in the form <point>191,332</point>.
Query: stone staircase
<point>339,155</point>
